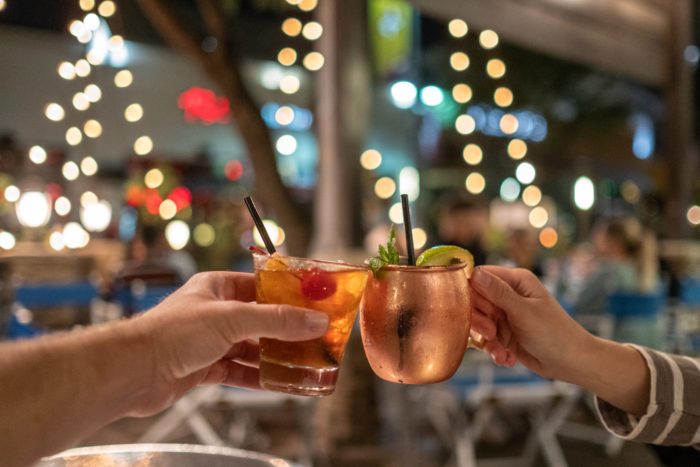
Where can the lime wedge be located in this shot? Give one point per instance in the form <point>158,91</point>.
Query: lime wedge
<point>445,255</point>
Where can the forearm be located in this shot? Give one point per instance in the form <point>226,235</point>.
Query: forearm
<point>56,390</point>
<point>614,372</point>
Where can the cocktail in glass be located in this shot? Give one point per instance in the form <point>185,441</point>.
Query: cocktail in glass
<point>415,322</point>
<point>310,367</point>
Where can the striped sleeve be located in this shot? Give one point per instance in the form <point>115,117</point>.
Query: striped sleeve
<point>673,413</point>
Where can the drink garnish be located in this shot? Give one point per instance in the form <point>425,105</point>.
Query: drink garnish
<point>387,255</point>
<point>445,255</point>
<point>317,284</point>
<point>256,250</point>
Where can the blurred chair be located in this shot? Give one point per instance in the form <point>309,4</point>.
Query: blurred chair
<point>483,397</point>
<point>686,314</point>
<point>638,318</point>
<point>138,296</point>
<point>43,299</point>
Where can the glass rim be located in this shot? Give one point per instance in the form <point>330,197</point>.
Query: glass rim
<point>409,268</point>
<point>343,266</point>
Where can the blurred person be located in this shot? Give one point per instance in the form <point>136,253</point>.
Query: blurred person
<point>57,389</point>
<point>464,223</point>
<point>626,262</point>
<point>523,250</point>
<point>641,394</point>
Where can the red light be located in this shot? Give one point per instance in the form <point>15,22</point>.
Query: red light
<point>54,190</point>
<point>233,170</point>
<point>181,196</point>
<point>134,196</point>
<point>202,104</point>
<point>153,201</point>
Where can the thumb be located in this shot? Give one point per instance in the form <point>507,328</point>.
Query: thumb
<point>495,290</point>
<point>284,322</point>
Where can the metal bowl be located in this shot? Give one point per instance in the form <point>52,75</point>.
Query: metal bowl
<point>161,455</point>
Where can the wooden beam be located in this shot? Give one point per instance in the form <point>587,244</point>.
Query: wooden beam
<point>625,37</point>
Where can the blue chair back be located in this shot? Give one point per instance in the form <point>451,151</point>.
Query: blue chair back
<point>637,318</point>
<point>689,293</point>
<point>50,295</point>
<point>136,300</point>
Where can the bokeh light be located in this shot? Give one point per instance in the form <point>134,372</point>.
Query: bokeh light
<point>509,124</point>
<point>54,112</point>
<point>538,217</point>
<point>403,94</point>
<point>291,27</point>
<point>204,235</point>
<point>431,96</point>
<point>396,213</point>
<point>284,115</point>
<point>81,101</point>
<point>167,209</point>
<point>475,183</point>
<point>87,198</point>
<point>472,154</point>
<point>307,5</point>
<point>488,39</point>
<point>87,5</point>
<point>37,154</point>
<point>75,236</point>
<point>133,112</point>
<point>96,216</point>
<point>548,237</point>
<point>66,70</point>
<point>630,192</point>
<point>287,56</point>
<point>107,8</point>
<point>70,170</point>
<point>62,206</point>
<point>273,230</point>
<point>289,84</point>
<point>370,159</point>
<point>465,124</point>
<point>517,149</point>
<point>525,173</point>
<point>12,193</point>
<point>532,196</point>
<point>56,241</point>
<point>510,189</point>
<point>7,241</point>
<point>313,61</point>
<point>312,30</point>
<point>495,68</point>
<point>584,193</point>
<point>153,178</point>
<point>92,129</point>
<point>123,79</point>
<point>693,215</point>
<point>177,233</point>
<point>459,61</point>
<point>88,166</point>
<point>286,145</point>
<point>385,187</point>
<point>462,93</point>
<point>93,92</point>
<point>503,97</point>
<point>82,68</point>
<point>420,237</point>
<point>458,28</point>
<point>33,209</point>
<point>143,145</point>
<point>73,136</point>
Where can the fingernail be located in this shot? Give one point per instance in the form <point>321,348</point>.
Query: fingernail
<point>316,321</point>
<point>482,278</point>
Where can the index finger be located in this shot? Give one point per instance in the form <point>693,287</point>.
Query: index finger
<point>521,280</point>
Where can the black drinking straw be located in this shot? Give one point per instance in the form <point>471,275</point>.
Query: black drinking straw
<point>409,231</point>
<point>259,224</point>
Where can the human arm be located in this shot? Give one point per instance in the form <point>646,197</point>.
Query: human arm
<point>642,394</point>
<point>58,389</point>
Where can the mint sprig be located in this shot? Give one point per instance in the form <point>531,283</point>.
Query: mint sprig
<point>387,255</point>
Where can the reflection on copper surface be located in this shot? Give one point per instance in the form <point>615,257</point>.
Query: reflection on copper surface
<point>415,322</point>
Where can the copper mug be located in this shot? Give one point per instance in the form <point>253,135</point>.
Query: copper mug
<point>415,322</point>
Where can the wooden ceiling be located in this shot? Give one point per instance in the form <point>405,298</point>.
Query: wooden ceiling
<point>626,37</point>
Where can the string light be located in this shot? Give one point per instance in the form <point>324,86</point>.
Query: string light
<point>82,68</point>
<point>12,193</point>
<point>312,30</point>
<point>495,68</point>
<point>465,124</point>
<point>289,84</point>
<point>143,145</point>
<point>133,112</point>
<point>693,215</point>
<point>472,154</point>
<point>503,97</point>
<point>307,5</point>
<point>92,129</point>
<point>153,178</point>
<point>475,183</point>
<point>88,166</point>
<point>87,5</point>
<point>107,8</point>
<point>517,149</point>
<point>81,101</point>
<point>462,93</point>
<point>74,136</point>
<point>284,115</point>
<point>292,27</point>
<point>488,39</point>
<point>532,196</point>
<point>123,79</point>
<point>538,217</point>
<point>70,171</point>
<point>93,92</point>
<point>37,154</point>
<point>457,28</point>
<point>385,187</point>
<point>371,159</point>
<point>313,61</point>
<point>287,56</point>
<point>509,124</point>
<point>62,206</point>
<point>548,237</point>
<point>66,70</point>
<point>459,61</point>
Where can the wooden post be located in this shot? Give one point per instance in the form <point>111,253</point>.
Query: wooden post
<point>679,99</point>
